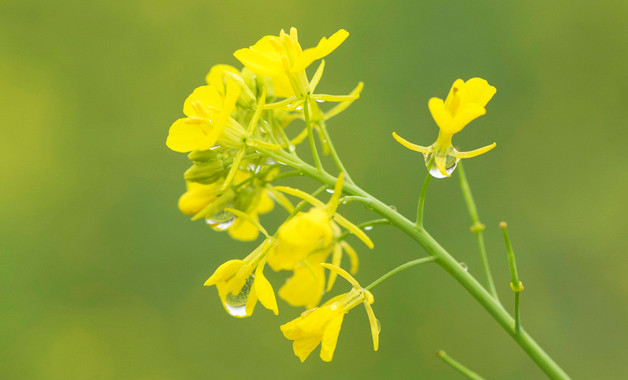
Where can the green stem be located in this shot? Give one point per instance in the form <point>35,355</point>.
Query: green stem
<point>458,366</point>
<point>444,259</point>
<point>334,154</point>
<point>400,268</point>
<point>310,135</point>
<point>477,228</point>
<point>419,213</point>
<point>516,284</point>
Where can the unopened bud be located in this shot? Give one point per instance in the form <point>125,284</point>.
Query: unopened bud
<point>202,156</point>
<point>206,173</point>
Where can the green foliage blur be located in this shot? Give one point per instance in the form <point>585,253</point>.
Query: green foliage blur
<point>101,276</point>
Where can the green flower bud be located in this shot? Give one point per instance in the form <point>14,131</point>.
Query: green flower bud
<point>203,156</point>
<point>206,172</point>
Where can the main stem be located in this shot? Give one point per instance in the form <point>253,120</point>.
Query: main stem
<point>444,259</point>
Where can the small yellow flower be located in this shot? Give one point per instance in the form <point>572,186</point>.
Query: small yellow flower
<point>322,325</point>
<point>241,283</point>
<point>282,57</point>
<point>466,102</point>
<point>207,121</point>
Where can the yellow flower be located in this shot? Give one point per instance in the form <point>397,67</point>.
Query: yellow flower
<point>307,284</point>
<point>207,121</point>
<point>465,103</point>
<point>322,325</point>
<point>282,56</point>
<point>241,283</point>
<point>305,233</point>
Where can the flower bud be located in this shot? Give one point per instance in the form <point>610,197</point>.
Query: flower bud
<point>205,172</point>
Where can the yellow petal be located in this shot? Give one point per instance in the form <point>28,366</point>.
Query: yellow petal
<point>477,91</point>
<point>374,325</point>
<point>208,96</point>
<point>411,146</point>
<point>441,116</point>
<point>343,273</point>
<point>305,287</point>
<point>475,152</point>
<point>336,260</point>
<point>250,303</point>
<point>185,137</point>
<point>265,204</point>
<point>353,256</point>
<point>330,338</point>
<point>264,290</point>
<point>304,347</point>
<point>224,271</point>
<point>215,76</point>
<point>354,230</point>
<point>244,230</point>
<point>260,63</point>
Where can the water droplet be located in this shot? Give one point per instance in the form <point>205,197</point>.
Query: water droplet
<point>292,148</point>
<point>236,303</point>
<point>299,108</point>
<point>320,101</point>
<point>379,325</point>
<point>368,228</point>
<point>464,267</point>
<point>451,164</point>
<point>221,221</point>
<point>330,191</point>
<point>393,207</point>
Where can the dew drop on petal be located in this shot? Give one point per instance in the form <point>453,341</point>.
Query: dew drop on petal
<point>221,221</point>
<point>320,101</point>
<point>236,303</point>
<point>379,325</point>
<point>452,162</point>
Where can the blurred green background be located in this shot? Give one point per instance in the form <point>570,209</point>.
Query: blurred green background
<point>101,276</point>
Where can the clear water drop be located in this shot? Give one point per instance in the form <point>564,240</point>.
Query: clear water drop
<point>330,191</point>
<point>379,325</point>
<point>299,108</point>
<point>451,163</point>
<point>320,101</point>
<point>221,221</point>
<point>464,267</point>
<point>292,148</point>
<point>368,228</point>
<point>236,303</point>
<point>393,207</point>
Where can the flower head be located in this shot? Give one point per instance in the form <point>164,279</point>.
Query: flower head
<point>207,121</point>
<point>281,57</point>
<point>322,325</point>
<point>466,102</point>
<point>241,283</point>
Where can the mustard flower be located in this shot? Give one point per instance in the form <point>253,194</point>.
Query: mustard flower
<point>322,325</point>
<point>466,102</point>
<point>241,283</point>
<point>207,122</point>
<point>281,57</point>
<point>305,241</point>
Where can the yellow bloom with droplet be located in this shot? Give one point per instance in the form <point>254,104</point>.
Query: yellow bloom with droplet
<point>322,325</point>
<point>466,102</point>
<point>282,56</point>
<point>241,283</point>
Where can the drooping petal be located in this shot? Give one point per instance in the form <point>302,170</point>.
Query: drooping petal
<point>353,256</point>
<point>475,152</point>
<point>374,325</point>
<point>305,287</point>
<point>411,146</point>
<point>215,76</point>
<point>330,338</point>
<point>224,271</point>
<point>264,290</point>
<point>304,347</point>
<point>336,260</point>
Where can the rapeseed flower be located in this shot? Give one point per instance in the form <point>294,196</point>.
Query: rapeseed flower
<point>305,241</point>
<point>322,325</point>
<point>466,102</point>
<point>282,58</point>
<point>241,283</point>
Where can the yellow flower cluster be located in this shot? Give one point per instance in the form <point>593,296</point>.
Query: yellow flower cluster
<point>231,124</point>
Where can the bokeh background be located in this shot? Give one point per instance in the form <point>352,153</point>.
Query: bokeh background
<point>101,276</point>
